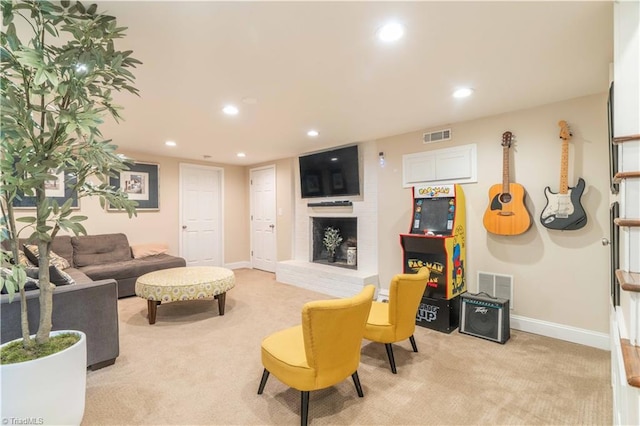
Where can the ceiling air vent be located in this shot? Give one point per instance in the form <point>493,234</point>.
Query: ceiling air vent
<point>437,136</point>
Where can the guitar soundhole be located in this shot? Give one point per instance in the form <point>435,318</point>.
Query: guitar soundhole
<point>505,198</point>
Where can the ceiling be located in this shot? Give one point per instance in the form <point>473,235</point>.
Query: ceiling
<point>319,65</point>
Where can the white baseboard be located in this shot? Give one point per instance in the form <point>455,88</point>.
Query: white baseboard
<point>562,332</point>
<point>238,265</point>
<point>383,295</point>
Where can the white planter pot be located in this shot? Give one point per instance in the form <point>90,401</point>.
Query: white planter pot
<point>49,390</point>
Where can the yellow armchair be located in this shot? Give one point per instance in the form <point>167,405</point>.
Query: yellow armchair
<point>322,351</point>
<point>395,321</point>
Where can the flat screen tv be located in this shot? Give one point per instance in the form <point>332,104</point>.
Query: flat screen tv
<point>333,173</point>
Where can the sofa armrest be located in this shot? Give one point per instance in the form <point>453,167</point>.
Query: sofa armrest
<point>91,308</point>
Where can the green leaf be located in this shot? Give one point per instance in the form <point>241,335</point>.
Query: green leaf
<point>50,29</point>
<point>26,219</point>
<point>7,12</point>
<point>12,38</point>
<point>40,77</point>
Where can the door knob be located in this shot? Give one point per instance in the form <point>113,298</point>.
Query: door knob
<point>272,226</point>
<point>184,226</point>
<point>605,242</point>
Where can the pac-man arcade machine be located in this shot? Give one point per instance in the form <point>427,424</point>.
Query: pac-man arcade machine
<point>437,240</point>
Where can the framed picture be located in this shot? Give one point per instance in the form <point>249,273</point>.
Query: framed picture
<point>141,183</point>
<point>56,189</point>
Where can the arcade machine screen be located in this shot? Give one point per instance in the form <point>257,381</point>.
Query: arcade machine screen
<point>433,216</point>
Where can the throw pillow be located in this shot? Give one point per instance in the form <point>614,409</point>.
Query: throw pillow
<point>144,250</point>
<point>56,276</point>
<point>32,252</point>
<point>23,259</point>
<point>30,283</point>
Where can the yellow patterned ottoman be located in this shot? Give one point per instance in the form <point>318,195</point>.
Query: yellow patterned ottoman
<point>186,283</point>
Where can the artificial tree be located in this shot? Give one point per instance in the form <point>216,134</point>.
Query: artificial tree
<point>332,239</point>
<point>59,68</point>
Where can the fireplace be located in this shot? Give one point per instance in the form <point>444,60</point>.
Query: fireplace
<point>319,275</point>
<point>348,228</point>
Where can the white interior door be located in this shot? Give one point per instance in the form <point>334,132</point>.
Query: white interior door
<point>263,218</point>
<point>201,215</point>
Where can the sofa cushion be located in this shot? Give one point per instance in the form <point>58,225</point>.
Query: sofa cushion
<point>93,250</point>
<point>132,268</point>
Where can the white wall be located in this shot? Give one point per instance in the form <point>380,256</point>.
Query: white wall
<point>559,277</point>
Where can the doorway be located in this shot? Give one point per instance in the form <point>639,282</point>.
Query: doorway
<point>201,198</point>
<point>263,218</point>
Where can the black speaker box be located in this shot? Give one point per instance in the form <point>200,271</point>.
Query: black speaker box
<point>485,316</point>
<point>439,314</point>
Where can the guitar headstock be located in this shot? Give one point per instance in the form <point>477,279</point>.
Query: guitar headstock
<point>507,138</point>
<point>565,132</point>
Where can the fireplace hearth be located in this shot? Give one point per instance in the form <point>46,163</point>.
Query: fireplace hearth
<point>348,227</point>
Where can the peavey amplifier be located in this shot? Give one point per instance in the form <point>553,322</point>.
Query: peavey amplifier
<point>484,316</point>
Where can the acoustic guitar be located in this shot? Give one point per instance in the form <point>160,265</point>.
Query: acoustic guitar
<point>506,213</point>
<point>563,210</point>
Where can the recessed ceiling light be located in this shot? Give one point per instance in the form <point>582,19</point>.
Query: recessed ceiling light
<point>462,92</point>
<point>390,32</point>
<point>312,133</point>
<point>230,110</point>
<point>241,154</point>
<point>170,143</point>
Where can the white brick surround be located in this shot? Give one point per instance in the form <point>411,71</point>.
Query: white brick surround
<point>332,280</point>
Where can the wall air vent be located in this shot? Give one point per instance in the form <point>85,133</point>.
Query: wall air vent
<point>437,136</point>
<point>496,285</point>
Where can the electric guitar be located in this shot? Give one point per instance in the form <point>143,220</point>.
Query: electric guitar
<point>506,214</point>
<point>563,210</point>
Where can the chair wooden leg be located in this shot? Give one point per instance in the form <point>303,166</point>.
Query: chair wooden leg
<point>304,408</point>
<point>263,381</point>
<point>356,381</point>
<point>413,343</point>
<point>392,361</point>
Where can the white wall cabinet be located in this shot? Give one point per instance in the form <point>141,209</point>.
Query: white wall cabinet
<point>441,166</point>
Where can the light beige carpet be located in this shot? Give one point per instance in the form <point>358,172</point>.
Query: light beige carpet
<point>196,367</point>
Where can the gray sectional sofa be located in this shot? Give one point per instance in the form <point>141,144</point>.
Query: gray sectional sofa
<point>91,307</point>
<point>104,269</point>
